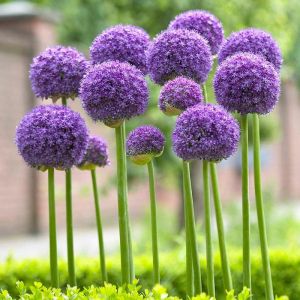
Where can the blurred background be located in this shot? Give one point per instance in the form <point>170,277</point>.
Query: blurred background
<point>28,27</point>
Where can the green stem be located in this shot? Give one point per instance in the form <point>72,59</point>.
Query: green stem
<point>122,206</point>
<point>156,276</point>
<point>260,210</point>
<point>246,203</point>
<point>190,216</point>
<point>132,273</point>
<point>209,247</point>
<point>189,261</point>
<point>99,227</point>
<point>204,93</point>
<point>64,101</point>
<point>69,220</point>
<point>220,226</point>
<point>52,229</point>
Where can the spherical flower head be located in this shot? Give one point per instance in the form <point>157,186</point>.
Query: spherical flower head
<point>179,94</point>
<point>96,154</point>
<point>179,53</point>
<point>52,136</point>
<point>247,83</point>
<point>205,132</point>
<point>144,143</point>
<point>255,41</point>
<point>203,23</point>
<point>57,72</point>
<point>114,91</point>
<point>125,43</point>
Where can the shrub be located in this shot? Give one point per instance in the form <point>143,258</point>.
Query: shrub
<point>108,291</point>
<point>286,270</point>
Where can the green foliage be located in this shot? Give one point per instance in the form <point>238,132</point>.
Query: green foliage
<point>285,268</point>
<point>108,291</point>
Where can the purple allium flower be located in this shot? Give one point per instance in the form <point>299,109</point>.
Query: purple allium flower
<point>52,136</point>
<point>96,154</point>
<point>247,83</point>
<point>179,52</point>
<point>255,41</point>
<point>203,23</point>
<point>125,43</point>
<point>205,132</point>
<point>143,143</point>
<point>57,72</point>
<point>114,91</point>
<point>179,94</point>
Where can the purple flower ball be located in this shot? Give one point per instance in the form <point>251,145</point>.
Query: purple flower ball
<point>179,94</point>
<point>143,143</point>
<point>96,154</point>
<point>247,83</point>
<point>206,132</point>
<point>114,91</point>
<point>125,43</point>
<point>57,72</point>
<point>255,41</point>
<point>179,52</point>
<point>52,136</point>
<point>203,23</point>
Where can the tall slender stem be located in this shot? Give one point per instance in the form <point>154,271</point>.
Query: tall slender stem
<point>156,276</point>
<point>130,254</point>
<point>204,93</point>
<point>220,226</point>
<point>190,216</point>
<point>246,203</point>
<point>69,220</point>
<point>99,227</point>
<point>189,260</point>
<point>188,254</point>
<point>209,247</point>
<point>122,205</point>
<point>260,210</point>
<point>52,229</point>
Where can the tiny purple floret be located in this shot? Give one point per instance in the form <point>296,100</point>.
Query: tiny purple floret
<point>247,83</point>
<point>125,43</point>
<point>255,41</point>
<point>206,132</point>
<point>52,136</point>
<point>179,53</point>
<point>114,91</point>
<point>179,94</point>
<point>96,154</point>
<point>203,23</point>
<point>57,72</point>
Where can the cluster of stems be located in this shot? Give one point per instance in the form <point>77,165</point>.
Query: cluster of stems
<point>210,167</point>
<point>259,206</point>
<point>210,179</point>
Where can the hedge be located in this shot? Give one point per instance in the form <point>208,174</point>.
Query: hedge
<point>108,291</point>
<point>285,268</point>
